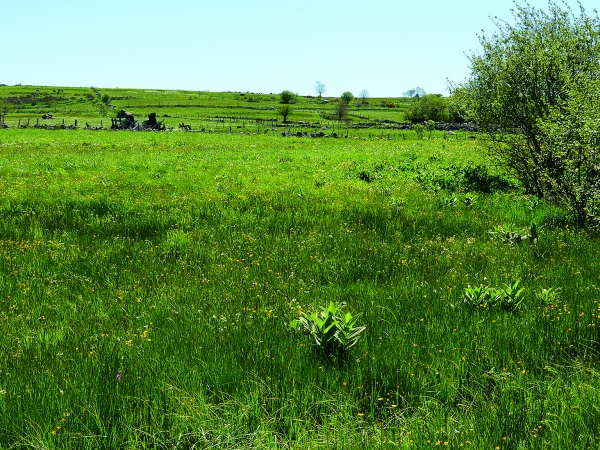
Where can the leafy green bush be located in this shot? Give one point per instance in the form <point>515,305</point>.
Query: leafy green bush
<point>508,235</point>
<point>429,107</point>
<point>548,296</point>
<point>533,91</point>
<point>287,97</point>
<point>478,178</point>
<point>453,177</point>
<point>285,111</point>
<point>509,298</point>
<point>332,332</point>
<point>347,96</point>
<point>419,129</point>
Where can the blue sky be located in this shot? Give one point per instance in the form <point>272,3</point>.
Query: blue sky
<point>383,46</point>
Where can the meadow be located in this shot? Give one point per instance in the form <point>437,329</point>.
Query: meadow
<point>210,111</point>
<point>148,280</point>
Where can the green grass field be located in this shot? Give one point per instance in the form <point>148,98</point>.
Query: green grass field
<point>147,283</point>
<point>211,111</point>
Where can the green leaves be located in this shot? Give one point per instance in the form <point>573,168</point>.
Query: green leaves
<point>510,236</point>
<point>288,97</point>
<point>419,129</point>
<point>432,107</point>
<point>533,90</point>
<point>509,298</point>
<point>332,332</point>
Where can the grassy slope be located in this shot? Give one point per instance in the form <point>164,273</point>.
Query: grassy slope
<point>176,261</point>
<point>192,107</point>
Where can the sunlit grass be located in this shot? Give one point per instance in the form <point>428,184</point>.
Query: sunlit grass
<point>147,282</point>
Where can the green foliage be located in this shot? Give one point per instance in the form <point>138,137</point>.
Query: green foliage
<point>287,97</point>
<point>508,235</point>
<point>509,298</point>
<point>571,138</point>
<point>429,107</point>
<point>285,111</point>
<point>530,91</point>
<point>478,177</point>
<point>457,112</point>
<point>463,178</point>
<point>333,333</point>
<point>419,129</point>
<point>548,296</point>
<point>340,110</point>
<point>347,97</point>
<point>430,127</point>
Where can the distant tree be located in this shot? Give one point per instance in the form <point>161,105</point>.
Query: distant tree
<point>414,92</point>
<point>347,97</point>
<point>320,89</point>
<point>340,111</point>
<point>106,99</point>
<point>285,110</point>
<point>287,97</point>
<point>429,107</point>
<point>364,95</point>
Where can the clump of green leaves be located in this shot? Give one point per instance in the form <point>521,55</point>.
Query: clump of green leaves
<point>419,129</point>
<point>332,331</point>
<point>510,236</point>
<point>430,127</point>
<point>548,296</point>
<point>509,298</point>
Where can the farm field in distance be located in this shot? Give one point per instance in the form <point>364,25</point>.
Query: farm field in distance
<point>148,281</point>
<point>239,112</point>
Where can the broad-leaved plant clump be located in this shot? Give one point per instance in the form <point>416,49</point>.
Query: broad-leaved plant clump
<point>333,332</point>
<point>509,298</point>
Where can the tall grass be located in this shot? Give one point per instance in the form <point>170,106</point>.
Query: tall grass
<point>147,282</point>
